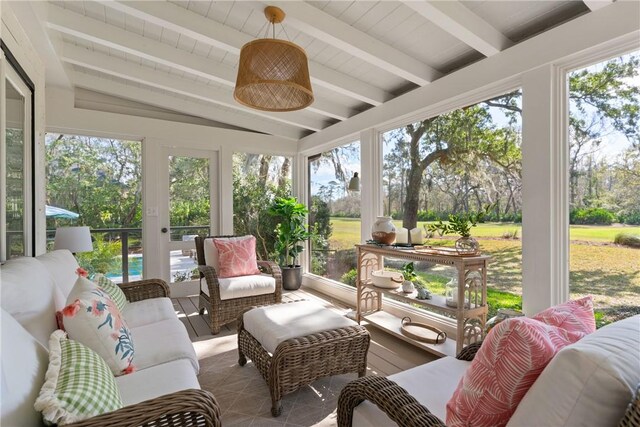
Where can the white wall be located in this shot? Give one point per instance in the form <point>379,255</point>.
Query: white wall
<point>18,43</point>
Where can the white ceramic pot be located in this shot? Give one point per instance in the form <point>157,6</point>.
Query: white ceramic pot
<point>387,279</point>
<point>407,286</point>
<point>383,230</point>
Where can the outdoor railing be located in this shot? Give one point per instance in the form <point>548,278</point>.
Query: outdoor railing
<point>124,235</point>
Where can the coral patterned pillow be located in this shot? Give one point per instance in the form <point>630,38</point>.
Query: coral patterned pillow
<point>575,316</point>
<point>93,319</point>
<point>236,257</point>
<point>511,358</point>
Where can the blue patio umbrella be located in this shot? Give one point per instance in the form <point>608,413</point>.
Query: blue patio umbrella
<point>54,212</point>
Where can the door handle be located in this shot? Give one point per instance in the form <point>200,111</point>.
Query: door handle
<point>164,229</point>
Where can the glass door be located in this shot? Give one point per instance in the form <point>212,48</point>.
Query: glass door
<point>190,188</point>
<point>15,181</point>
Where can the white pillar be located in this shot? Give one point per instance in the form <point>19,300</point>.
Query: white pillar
<point>370,181</point>
<point>225,190</point>
<point>545,217</point>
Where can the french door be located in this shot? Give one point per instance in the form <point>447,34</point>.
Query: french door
<point>189,208</point>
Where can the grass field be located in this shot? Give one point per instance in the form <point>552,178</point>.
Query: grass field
<point>608,272</point>
<point>347,230</point>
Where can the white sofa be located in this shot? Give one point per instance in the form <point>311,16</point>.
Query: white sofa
<point>33,289</point>
<point>588,383</point>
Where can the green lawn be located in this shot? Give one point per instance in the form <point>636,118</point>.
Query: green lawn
<point>610,273</point>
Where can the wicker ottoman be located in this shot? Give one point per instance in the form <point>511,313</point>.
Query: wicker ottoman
<point>295,343</point>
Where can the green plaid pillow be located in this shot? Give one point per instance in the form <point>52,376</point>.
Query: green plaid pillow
<point>79,384</point>
<point>114,291</point>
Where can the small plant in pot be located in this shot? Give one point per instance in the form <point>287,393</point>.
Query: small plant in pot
<point>461,224</point>
<point>291,231</point>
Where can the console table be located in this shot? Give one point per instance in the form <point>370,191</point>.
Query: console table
<point>472,288</point>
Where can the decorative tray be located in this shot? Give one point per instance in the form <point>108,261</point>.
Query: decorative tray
<point>422,332</point>
<point>441,250</point>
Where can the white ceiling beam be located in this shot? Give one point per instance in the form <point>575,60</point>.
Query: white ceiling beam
<point>337,33</point>
<point>453,17</point>
<point>594,5</point>
<point>213,33</point>
<point>95,31</point>
<point>129,71</point>
<point>148,96</point>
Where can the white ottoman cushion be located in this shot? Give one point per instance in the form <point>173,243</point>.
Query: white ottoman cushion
<point>432,384</point>
<point>30,296</point>
<point>156,381</point>
<point>273,324</point>
<point>152,310</point>
<point>162,342</point>
<point>243,286</point>
<point>62,266</point>
<point>587,383</point>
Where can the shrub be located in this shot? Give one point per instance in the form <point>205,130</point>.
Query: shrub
<point>627,239</point>
<point>632,218</point>
<point>591,216</point>
<point>350,277</point>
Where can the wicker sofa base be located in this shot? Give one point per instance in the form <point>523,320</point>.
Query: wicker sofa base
<point>302,360</point>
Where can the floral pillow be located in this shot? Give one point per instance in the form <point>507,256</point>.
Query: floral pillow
<point>93,319</point>
<point>112,289</point>
<point>236,257</point>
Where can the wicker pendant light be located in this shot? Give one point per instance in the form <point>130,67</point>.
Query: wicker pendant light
<point>273,75</point>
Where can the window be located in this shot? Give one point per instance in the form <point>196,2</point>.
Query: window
<point>257,180</point>
<point>334,213</point>
<point>604,186</point>
<point>16,156</point>
<point>463,162</point>
<point>97,182</point>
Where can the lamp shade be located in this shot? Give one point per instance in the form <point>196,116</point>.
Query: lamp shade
<point>354,183</point>
<point>75,239</point>
<point>273,75</point>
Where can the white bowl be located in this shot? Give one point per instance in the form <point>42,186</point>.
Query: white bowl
<point>387,279</point>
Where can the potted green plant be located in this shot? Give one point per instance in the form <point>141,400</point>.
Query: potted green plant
<point>461,224</point>
<point>291,231</point>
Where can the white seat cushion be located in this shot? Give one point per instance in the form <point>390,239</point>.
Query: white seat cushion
<point>62,266</point>
<point>588,383</point>
<point>432,384</point>
<point>24,364</point>
<point>243,286</point>
<point>156,381</point>
<point>273,324</point>
<point>162,342</point>
<point>152,310</point>
<point>29,295</point>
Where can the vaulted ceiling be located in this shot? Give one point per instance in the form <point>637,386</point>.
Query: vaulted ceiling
<point>182,55</point>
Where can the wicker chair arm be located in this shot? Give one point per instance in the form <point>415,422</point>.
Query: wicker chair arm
<point>469,352</point>
<point>144,289</point>
<point>211,276</point>
<point>393,400</point>
<point>183,408</point>
<point>273,269</point>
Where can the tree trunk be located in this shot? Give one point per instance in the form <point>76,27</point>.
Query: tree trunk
<point>284,173</point>
<point>263,173</point>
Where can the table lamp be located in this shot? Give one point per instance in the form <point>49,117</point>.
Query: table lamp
<point>75,239</point>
